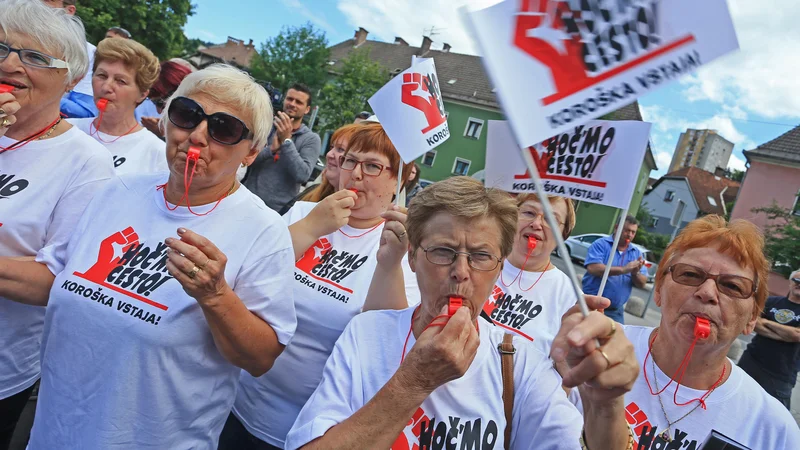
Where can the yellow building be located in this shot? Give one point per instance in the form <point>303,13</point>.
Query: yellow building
<point>704,149</point>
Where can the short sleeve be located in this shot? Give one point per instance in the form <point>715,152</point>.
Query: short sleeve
<point>336,397</point>
<point>543,416</point>
<point>262,285</point>
<point>598,252</point>
<point>70,209</point>
<point>412,288</point>
<point>297,212</point>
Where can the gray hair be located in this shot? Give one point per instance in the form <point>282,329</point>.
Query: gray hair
<point>59,34</point>
<point>230,86</point>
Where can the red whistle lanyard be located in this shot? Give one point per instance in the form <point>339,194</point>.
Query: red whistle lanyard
<point>702,329</point>
<point>438,321</point>
<point>102,104</point>
<point>19,144</point>
<point>532,242</point>
<point>192,155</point>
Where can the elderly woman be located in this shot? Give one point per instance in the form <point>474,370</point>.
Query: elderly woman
<point>168,287</point>
<point>688,389</point>
<point>423,376</point>
<point>335,245</point>
<point>531,293</point>
<point>123,71</point>
<point>49,171</point>
<point>171,75</point>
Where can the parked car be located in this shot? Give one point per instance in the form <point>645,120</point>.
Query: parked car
<point>578,248</point>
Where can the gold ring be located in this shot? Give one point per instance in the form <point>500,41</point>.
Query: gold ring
<point>6,122</point>
<point>193,272</point>
<point>613,328</point>
<point>605,356</point>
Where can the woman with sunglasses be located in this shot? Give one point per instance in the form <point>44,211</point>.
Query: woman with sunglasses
<point>49,171</point>
<point>335,245</point>
<point>171,284</point>
<point>123,72</point>
<point>711,287</point>
<point>171,75</point>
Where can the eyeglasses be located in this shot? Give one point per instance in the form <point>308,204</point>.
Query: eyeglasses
<point>796,281</point>
<point>531,216</point>
<point>160,102</point>
<point>445,256</point>
<point>32,57</point>
<point>372,169</point>
<point>222,127</point>
<point>730,285</point>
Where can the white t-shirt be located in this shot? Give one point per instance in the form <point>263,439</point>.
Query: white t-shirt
<point>85,85</point>
<point>739,409</point>
<point>44,188</point>
<point>465,413</point>
<point>531,311</point>
<point>330,284</point>
<point>137,153</point>
<point>128,359</point>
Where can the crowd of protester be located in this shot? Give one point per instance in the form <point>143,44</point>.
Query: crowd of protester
<point>166,282</point>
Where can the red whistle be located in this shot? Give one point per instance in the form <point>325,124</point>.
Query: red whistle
<point>532,243</point>
<point>194,153</point>
<point>102,104</point>
<point>455,303</point>
<point>702,328</point>
<point>6,88</point>
<point>355,191</point>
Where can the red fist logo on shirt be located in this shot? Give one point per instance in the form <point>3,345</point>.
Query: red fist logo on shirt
<point>314,255</point>
<point>409,437</point>
<point>421,92</point>
<point>111,253</point>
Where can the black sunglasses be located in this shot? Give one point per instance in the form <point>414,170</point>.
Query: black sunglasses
<point>222,127</point>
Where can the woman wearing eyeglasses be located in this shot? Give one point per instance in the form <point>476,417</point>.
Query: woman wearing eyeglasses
<point>123,72</point>
<point>49,171</point>
<point>687,387</point>
<point>336,247</point>
<point>171,75</point>
<point>172,283</point>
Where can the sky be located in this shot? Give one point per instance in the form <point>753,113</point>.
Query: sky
<point>750,96</point>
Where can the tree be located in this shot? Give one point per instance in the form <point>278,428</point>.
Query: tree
<point>190,46</point>
<point>156,24</point>
<point>295,55</point>
<point>737,175</point>
<point>782,237</point>
<point>347,94</point>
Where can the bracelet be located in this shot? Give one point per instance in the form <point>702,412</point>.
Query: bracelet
<point>586,447</point>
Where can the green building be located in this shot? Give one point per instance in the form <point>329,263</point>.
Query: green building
<point>470,102</point>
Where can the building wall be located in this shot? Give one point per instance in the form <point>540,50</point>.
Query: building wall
<point>663,210</point>
<point>458,145</point>
<point>716,153</point>
<point>764,183</point>
<point>593,218</point>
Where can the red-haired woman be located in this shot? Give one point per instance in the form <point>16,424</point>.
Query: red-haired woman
<point>711,287</point>
<point>171,75</point>
<point>336,248</point>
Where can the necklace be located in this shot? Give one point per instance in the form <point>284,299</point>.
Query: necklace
<point>362,234</point>
<point>41,134</point>
<point>665,434</point>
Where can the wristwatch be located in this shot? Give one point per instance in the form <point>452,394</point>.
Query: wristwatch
<point>287,140</point>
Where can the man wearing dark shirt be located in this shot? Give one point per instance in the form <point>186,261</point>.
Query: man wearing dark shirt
<point>772,357</point>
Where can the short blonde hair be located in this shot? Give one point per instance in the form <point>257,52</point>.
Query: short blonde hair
<point>133,55</point>
<point>569,221</point>
<point>229,86</point>
<point>740,239</point>
<point>465,198</point>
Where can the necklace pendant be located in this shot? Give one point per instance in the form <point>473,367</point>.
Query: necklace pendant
<point>665,436</point>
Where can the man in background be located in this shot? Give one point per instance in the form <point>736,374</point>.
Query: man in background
<point>627,269</point>
<point>773,355</point>
<point>286,164</point>
<point>118,32</point>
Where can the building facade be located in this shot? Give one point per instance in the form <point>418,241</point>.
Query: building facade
<point>773,175</point>
<point>704,149</point>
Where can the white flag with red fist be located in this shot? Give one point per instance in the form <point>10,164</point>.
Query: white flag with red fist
<point>557,64</point>
<point>411,110</point>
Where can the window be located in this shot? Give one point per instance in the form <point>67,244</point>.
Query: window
<point>461,166</point>
<point>429,158</point>
<point>474,127</point>
<point>711,200</point>
<point>654,222</point>
<point>590,238</point>
<point>670,196</point>
<point>796,207</point>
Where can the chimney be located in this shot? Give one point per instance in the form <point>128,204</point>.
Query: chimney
<point>400,41</point>
<point>250,44</point>
<point>360,37</point>
<point>446,48</point>
<point>426,46</point>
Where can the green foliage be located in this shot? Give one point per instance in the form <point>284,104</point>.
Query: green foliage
<point>347,94</point>
<point>190,46</point>
<point>654,242</point>
<point>644,216</point>
<point>737,175</point>
<point>782,237</point>
<point>156,24</point>
<point>295,55</point>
